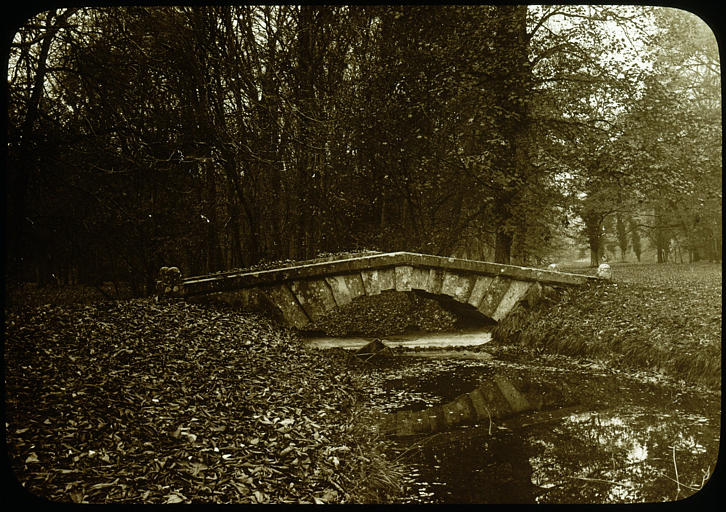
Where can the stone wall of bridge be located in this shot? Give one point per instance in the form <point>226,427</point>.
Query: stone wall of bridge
<point>303,301</point>
<point>306,293</point>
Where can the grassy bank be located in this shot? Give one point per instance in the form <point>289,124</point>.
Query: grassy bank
<point>142,402</point>
<point>664,317</point>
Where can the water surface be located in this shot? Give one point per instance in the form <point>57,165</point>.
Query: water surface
<point>618,437</point>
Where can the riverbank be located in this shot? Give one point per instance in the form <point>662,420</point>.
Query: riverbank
<point>143,402</point>
<point>665,318</point>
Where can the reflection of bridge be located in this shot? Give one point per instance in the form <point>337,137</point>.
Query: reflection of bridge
<point>306,292</point>
<point>495,399</point>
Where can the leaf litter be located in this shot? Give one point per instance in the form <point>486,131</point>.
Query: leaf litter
<point>143,402</point>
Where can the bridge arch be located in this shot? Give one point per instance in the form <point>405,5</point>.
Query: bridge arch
<point>307,293</point>
<point>303,302</point>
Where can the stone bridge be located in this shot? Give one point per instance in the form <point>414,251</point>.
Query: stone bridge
<point>307,292</point>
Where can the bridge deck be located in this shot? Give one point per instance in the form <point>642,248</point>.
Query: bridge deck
<point>236,280</point>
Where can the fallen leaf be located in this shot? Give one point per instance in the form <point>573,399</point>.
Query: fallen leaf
<point>175,498</point>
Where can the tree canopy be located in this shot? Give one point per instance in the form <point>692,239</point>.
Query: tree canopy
<point>214,137</point>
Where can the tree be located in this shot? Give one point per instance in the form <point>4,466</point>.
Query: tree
<point>219,136</point>
<point>680,180</point>
<point>622,235</point>
<point>635,237</point>
<point>32,64</point>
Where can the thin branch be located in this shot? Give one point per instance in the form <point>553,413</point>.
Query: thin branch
<point>622,484</point>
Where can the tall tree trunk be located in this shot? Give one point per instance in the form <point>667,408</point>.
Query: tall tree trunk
<point>593,230</point>
<point>503,247</point>
<point>305,97</point>
<point>214,255</point>
<point>516,85</point>
<point>634,237</point>
<point>622,235</point>
<point>661,239</point>
<point>18,183</point>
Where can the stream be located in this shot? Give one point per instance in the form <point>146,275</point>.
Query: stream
<point>616,437</point>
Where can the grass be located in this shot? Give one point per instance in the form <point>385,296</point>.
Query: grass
<point>662,317</point>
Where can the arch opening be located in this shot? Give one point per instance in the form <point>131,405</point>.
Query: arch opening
<point>397,312</point>
<point>468,317</point>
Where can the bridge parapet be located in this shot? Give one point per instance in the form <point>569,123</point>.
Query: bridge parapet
<point>305,293</point>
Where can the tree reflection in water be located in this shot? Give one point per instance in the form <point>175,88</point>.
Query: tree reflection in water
<point>606,456</point>
<point>630,439</point>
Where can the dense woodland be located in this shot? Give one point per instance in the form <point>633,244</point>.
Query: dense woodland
<point>218,137</point>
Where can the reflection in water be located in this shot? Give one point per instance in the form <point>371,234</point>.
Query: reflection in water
<point>593,457</point>
<point>636,445</point>
<point>621,456</point>
<point>463,466</point>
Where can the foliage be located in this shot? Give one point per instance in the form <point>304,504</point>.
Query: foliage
<point>217,137</point>
<point>143,402</point>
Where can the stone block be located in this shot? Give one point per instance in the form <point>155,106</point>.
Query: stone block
<point>516,400</point>
<point>456,414</point>
<point>491,395</point>
<point>370,282</point>
<point>419,278</point>
<point>345,288</point>
<point>403,278</point>
<point>533,295</point>
<point>493,296</point>
<point>315,297</point>
<point>378,280</point>
<point>479,289</point>
<point>457,285</point>
<point>435,280</point>
<point>436,418</point>
<point>169,282</point>
<point>404,423</point>
<point>420,422</point>
<point>481,407</point>
<point>387,278</point>
<point>355,285</point>
<point>453,415</point>
<point>374,348</point>
<point>282,297</point>
<point>516,291</point>
<point>604,271</point>
<point>465,406</point>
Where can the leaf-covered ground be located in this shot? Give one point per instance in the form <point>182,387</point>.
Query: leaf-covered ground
<point>663,317</point>
<point>144,402</point>
<point>386,314</point>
